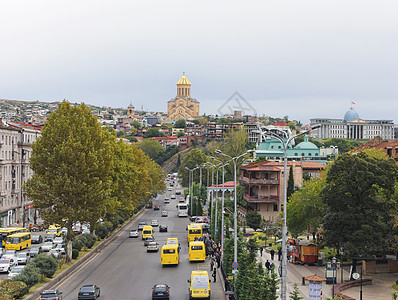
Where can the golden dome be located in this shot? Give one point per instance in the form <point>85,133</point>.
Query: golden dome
<point>183,80</point>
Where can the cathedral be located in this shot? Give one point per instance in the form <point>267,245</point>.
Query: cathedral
<point>182,106</point>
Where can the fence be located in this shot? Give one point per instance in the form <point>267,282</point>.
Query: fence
<point>228,286</point>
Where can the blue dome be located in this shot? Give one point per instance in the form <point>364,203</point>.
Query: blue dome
<point>350,115</point>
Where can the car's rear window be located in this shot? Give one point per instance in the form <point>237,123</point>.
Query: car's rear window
<point>160,288</point>
<point>197,247</point>
<point>169,251</point>
<point>87,289</point>
<point>200,282</point>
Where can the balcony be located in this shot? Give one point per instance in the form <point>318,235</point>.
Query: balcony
<point>261,199</point>
<point>259,181</point>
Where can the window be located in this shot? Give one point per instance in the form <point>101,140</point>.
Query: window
<point>275,207</point>
<point>309,154</point>
<point>302,154</point>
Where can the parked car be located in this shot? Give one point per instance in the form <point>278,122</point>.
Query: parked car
<point>133,234</point>
<point>7,264</point>
<point>89,292</point>
<point>10,254</point>
<point>47,246</point>
<point>164,213</point>
<point>148,240</point>
<point>37,239</point>
<point>34,251</point>
<point>58,240</point>
<point>50,237</point>
<point>163,228</point>
<point>15,271</point>
<point>160,291</point>
<point>141,225</point>
<point>23,258</point>
<point>152,246</point>
<point>154,223</point>
<point>51,295</point>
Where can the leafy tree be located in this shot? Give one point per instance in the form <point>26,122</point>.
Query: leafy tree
<point>253,219</point>
<point>120,133</point>
<point>10,289</point>
<point>180,124</point>
<point>192,159</point>
<point>290,183</point>
<point>295,295</point>
<point>136,124</point>
<point>151,147</point>
<point>344,145</point>
<point>359,206</point>
<point>154,132</point>
<point>72,165</point>
<point>180,133</point>
<point>47,264</point>
<point>178,161</point>
<point>30,275</point>
<point>306,207</point>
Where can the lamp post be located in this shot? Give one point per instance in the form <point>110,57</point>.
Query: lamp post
<point>234,159</point>
<point>190,188</point>
<point>334,265</point>
<point>342,253</point>
<point>284,227</point>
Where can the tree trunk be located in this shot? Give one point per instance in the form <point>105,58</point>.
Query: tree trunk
<point>68,252</point>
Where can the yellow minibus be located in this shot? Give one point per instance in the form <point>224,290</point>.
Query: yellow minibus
<point>5,232</point>
<point>170,255</point>
<point>147,231</point>
<point>200,285</point>
<point>194,231</point>
<point>55,229</point>
<point>18,241</point>
<point>197,251</point>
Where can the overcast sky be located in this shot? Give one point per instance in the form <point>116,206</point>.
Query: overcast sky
<point>303,59</point>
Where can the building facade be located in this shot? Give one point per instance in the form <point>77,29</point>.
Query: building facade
<point>352,127</point>
<point>183,106</point>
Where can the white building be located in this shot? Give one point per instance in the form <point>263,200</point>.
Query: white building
<point>352,127</point>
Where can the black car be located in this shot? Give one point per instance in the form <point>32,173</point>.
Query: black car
<point>37,239</point>
<point>51,295</point>
<point>148,240</point>
<point>90,291</point>
<point>163,228</point>
<point>178,192</point>
<point>156,207</point>
<point>160,291</point>
<point>49,237</point>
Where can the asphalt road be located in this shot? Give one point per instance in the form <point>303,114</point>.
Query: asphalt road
<point>124,270</point>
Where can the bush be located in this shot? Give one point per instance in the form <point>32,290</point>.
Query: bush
<point>101,231</point>
<point>47,264</point>
<point>87,239</point>
<point>77,244</point>
<point>75,253</point>
<point>10,289</point>
<point>30,275</point>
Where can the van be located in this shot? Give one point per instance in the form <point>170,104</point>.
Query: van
<point>172,241</point>
<point>147,231</point>
<point>197,251</point>
<point>199,285</point>
<point>194,231</point>
<point>55,229</point>
<point>170,255</point>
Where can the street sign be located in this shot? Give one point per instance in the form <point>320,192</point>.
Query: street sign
<point>235,271</point>
<point>235,265</point>
<point>355,276</point>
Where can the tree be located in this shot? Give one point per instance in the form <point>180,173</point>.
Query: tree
<point>47,264</point>
<point>180,124</point>
<point>154,132</point>
<point>10,289</point>
<point>180,133</point>
<point>136,124</point>
<point>359,206</point>
<point>290,183</point>
<point>151,147</point>
<point>72,165</point>
<point>192,159</point>
<point>178,161</point>
<point>295,295</point>
<point>253,219</point>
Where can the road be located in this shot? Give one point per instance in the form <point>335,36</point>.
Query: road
<point>124,270</point>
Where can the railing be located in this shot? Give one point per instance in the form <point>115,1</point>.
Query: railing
<point>259,181</point>
<point>261,199</point>
<point>227,284</point>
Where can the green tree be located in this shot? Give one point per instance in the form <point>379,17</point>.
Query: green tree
<point>120,133</point>
<point>253,219</point>
<point>359,206</point>
<point>180,133</point>
<point>30,275</point>
<point>178,161</point>
<point>192,159</point>
<point>154,132</point>
<point>136,124</point>
<point>180,124</point>
<point>72,165</point>
<point>290,183</point>
<point>151,147</point>
<point>47,264</point>
<point>10,289</point>
<point>295,295</point>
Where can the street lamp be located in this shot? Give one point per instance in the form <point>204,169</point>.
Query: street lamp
<point>234,159</point>
<point>190,188</point>
<point>342,253</point>
<point>284,228</point>
<point>334,266</point>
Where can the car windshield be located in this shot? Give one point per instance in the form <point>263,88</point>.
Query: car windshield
<point>199,282</point>
<point>23,255</point>
<point>87,289</point>
<point>160,288</point>
<point>35,237</point>
<point>4,261</point>
<point>47,244</point>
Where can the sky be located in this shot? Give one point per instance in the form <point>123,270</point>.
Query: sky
<point>302,59</point>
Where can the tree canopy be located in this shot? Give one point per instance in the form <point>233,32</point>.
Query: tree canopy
<point>253,219</point>
<point>180,124</point>
<point>154,132</point>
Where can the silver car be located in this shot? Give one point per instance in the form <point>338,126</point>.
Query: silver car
<point>10,254</point>
<point>47,246</point>
<point>6,264</point>
<point>23,258</point>
<point>15,271</point>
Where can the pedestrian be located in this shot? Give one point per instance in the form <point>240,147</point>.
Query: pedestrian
<point>214,274</point>
<point>313,236</point>
<point>261,251</point>
<point>211,264</point>
<point>280,254</point>
<point>272,267</point>
<point>308,236</point>
<point>267,265</point>
<point>218,259</point>
<point>272,254</point>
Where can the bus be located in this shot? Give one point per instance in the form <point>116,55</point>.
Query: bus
<point>170,255</point>
<point>55,229</point>
<point>194,231</point>
<point>182,209</point>
<point>197,251</point>
<point>5,232</point>
<point>18,241</point>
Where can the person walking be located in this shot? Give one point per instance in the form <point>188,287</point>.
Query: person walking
<point>261,251</point>
<point>267,265</point>
<point>272,267</point>
<point>214,274</point>
<point>211,264</point>
<point>272,252</point>
<point>280,254</point>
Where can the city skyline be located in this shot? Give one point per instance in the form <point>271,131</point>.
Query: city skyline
<point>303,60</point>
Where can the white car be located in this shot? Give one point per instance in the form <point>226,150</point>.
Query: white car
<point>152,246</point>
<point>173,196</point>
<point>47,246</point>
<point>60,249</point>
<point>64,230</point>
<point>170,189</point>
<point>23,258</point>
<point>54,252</point>
<point>15,271</point>
<point>6,265</point>
<point>133,234</point>
<point>58,240</point>
<point>10,254</point>
<point>154,223</point>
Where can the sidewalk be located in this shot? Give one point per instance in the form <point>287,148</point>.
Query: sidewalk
<point>379,289</point>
